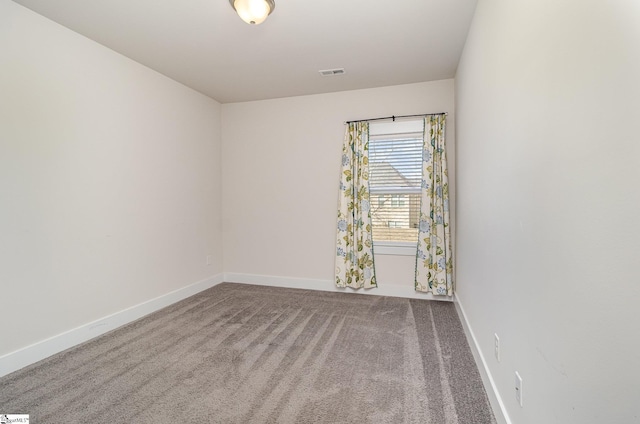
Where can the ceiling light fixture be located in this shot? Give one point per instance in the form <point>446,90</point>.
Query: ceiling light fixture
<point>253,12</point>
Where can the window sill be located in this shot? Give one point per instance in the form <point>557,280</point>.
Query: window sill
<point>395,248</point>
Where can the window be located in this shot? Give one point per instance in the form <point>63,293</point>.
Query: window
<point>398,200</point>
<point>395,175</point>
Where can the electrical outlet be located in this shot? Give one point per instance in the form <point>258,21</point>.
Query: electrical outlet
<point>496,346</point>
<point>208,259</point>
<point>518,388</point>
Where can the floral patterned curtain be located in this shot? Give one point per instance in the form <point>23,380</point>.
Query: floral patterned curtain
<point>434,261</point>
<point>354,254</point>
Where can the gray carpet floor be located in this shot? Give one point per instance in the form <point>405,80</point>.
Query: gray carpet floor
<point>239,353</point>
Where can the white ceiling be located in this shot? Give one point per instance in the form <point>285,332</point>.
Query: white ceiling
<point>206,46</point>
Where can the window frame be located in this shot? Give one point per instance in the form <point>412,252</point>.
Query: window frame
<point>395,248</point>
<point>387,247</point>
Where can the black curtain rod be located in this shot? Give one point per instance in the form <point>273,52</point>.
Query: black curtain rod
<point>394,117</point>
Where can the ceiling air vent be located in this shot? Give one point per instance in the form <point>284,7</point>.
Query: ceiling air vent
<point>332,72</point>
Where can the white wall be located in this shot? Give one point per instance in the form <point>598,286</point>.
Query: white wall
<point>547,102</point>
<point>109,181</point>
<point>281,175</point>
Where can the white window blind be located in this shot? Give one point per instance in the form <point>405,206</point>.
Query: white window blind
<point>395,175</point>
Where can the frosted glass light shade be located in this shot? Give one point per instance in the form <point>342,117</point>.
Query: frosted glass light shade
<point>253,12</point>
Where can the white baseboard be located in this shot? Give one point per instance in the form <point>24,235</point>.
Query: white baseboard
<point>499,410</point>
<point>328,285</point>
<point>28,355</point>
